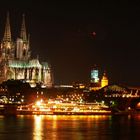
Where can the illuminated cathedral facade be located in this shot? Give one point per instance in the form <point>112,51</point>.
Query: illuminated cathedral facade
<point>16,62</point>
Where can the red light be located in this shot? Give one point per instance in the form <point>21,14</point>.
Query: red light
<point>94,33</point>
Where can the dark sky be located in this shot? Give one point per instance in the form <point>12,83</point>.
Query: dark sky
<point>62,34</point>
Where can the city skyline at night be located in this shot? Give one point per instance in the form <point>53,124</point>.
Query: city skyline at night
<point>74,36</point>
<point>69,69</point>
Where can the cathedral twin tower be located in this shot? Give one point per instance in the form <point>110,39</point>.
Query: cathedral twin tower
<point>11,51</point>
<point>16,62</point>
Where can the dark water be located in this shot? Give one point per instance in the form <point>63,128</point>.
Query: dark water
<point>70,127</point>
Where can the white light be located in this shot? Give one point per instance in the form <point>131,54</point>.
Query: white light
<point>38,103</point>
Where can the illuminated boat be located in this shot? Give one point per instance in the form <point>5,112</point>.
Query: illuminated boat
<point>34,109</point>
<point>41,108</point>
<point>83,109</point>
<point>87,112</point>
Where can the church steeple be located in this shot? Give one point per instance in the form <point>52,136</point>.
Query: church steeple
<point>7,32</point>
<point>104,80</point>
<point>23,34</point>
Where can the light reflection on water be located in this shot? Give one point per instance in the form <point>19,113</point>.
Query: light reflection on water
<point>37,132</point>
<point>61,127</point>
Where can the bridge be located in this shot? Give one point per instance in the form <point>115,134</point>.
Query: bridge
<point>122,96</point>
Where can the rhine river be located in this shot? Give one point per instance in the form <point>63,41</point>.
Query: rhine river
<point>51,127</point>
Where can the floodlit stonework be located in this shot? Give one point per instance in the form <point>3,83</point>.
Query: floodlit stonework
<point>16,62</point>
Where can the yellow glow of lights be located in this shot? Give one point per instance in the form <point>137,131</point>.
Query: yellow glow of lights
<point>38,103</point>
<point>138,105</point>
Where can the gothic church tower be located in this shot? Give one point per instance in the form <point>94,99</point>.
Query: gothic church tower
<point>22,43</point>
<point>7,46</point>
<point>15,61</point>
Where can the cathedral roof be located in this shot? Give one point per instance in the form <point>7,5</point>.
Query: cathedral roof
<point>45,65</point>
<point>18,64</point>
<point>34,63</point>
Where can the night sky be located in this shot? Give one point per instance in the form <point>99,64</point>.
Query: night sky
<point>74,36</point>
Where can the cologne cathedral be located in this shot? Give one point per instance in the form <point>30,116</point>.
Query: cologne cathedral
<point>16,62</point>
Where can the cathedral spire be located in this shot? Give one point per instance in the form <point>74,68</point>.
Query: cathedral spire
<point>23,29</point>
<point>7,32</point>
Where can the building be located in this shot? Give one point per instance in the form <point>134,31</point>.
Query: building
<point>104,80</point>
<point>95,82</point>
<point>94,75</point>
<point>16,62</point>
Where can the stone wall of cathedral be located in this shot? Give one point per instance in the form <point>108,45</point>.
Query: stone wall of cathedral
<point>15,62</point>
